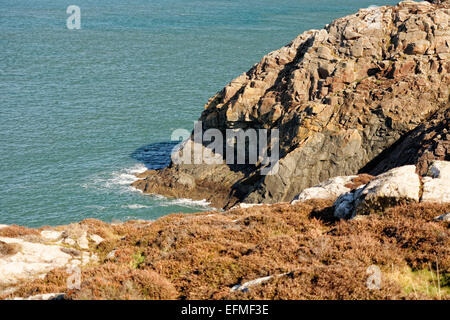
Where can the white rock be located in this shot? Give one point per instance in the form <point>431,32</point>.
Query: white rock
<point>85,258</point>
<point>96,238</point>
<point>70,241</point>
<point>33,260</point>
<point>75,263</point>
<point>111,255</point>
<point>83,242</point>
<point>436,186</point>
<point>393,187</point>
<point>46,296</point>
<point>245,286</point>
<point>443,217</point>
<point>439,169</point>
<point>51,235</point>
<point>93,258</point>
<point>247,205</point>
<point>397,185</point>
<point>3,226</point>
<point>329,189</point>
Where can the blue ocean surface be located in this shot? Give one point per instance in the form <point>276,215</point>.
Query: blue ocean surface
<point>81,111</point>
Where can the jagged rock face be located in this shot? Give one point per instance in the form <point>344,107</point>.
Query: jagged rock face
<point>428,142</point>
<point>438,1</point>
<point>339,96</point>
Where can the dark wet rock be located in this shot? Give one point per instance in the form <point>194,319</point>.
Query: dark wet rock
<point>429,141</point>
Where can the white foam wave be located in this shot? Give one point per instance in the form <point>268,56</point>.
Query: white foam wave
<point>135,206</point>
<point>188,202</point>
<point>96,207</point>
<point>119,180</point>
<point>183,202</point>
<point>125,176</point>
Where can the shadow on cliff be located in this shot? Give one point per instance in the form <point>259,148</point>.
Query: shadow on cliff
<point>155,155</point>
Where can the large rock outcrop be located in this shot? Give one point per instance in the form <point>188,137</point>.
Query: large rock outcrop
<point>366,194</point>
<point>397,186</point>
<point>339,97</point>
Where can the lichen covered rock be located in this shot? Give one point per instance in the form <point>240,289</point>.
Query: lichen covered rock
<point>329,189</point>
<point>436,186</point>
<point>398,186</point>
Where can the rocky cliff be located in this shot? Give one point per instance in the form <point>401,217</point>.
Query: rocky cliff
<point>354,97</point>
<point>369,93</point>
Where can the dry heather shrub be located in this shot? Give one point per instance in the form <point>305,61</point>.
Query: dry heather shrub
<point>15,231</point>
<point>360,180</point>
<point>339,281</point>
<point>105,230</point>
<point>108,281</point>
<point>111,281</point>
<point>75,230</point>
<point>201,256</point>
<point>408,232</point>
<point>54,281</point>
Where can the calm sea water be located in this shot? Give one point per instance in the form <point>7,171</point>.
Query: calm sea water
<point>82,110</point>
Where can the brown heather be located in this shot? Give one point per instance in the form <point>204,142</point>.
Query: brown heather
<point>15,231</point>
<point>201,256</point>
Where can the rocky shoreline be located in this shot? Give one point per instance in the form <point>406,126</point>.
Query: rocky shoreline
<point>321,246</point>
<point>397,213</point>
